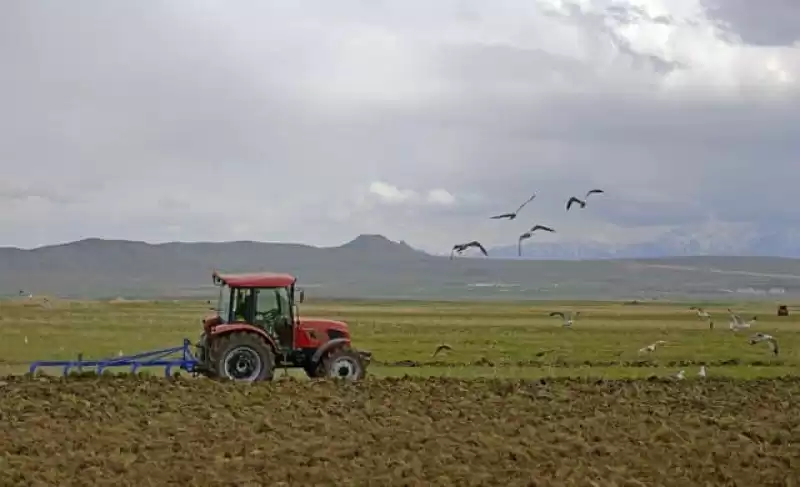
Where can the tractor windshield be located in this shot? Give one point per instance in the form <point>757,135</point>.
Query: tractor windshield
<point>224,302</point>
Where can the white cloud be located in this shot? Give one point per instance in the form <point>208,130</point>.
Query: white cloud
<point>392,195</point>
<point>440,197</point>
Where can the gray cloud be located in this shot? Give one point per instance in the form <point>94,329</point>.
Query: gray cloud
<point>150,122</point>
<point>768,22</point>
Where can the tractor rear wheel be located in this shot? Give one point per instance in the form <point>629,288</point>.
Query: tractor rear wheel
<point>344,363</point>
<point>244,357</point>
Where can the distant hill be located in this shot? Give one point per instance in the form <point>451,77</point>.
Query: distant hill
<point>371,266</point>
<point>765,239</point>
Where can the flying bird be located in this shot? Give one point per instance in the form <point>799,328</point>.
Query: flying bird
<point>513,214</point>
<point>572,200</point>
<point>763,337</point>
<point>703,314</point>
<point>529,234</point>
<point>582,202</point>
<point>569,317</point>
<point>737,323</point>
<point>652,347</point>
<point>440,348</point>
<point>522,237</point>
<point>459,248</point>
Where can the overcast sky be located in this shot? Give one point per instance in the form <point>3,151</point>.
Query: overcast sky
<point>315,121</point>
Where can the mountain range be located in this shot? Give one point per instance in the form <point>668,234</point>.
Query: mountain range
<point>371,266</point>
<point>706,238</point>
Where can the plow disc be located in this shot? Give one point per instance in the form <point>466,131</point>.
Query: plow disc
<point>169,358</point>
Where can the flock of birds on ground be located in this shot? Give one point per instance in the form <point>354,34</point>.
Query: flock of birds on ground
<point>573,200</point>
<point>736,324</point>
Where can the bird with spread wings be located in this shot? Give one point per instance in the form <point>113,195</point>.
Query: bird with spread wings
<point>737,323</point>
<point>568,317</point>
<point>582,202</point>
<point>529,234</point>
<point>704,315</point>
<point>459,248</point>
<point>513,214</point>
<point>763,337</point>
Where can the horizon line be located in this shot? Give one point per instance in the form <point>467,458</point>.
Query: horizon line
<point>401,242</point>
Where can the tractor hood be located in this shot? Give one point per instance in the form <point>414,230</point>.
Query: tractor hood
<point>323,325</point>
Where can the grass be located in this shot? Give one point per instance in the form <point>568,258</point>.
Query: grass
<point>488,339</point>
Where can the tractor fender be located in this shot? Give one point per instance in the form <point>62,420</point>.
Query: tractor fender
<point>240,327</point>
<point>329,346</point>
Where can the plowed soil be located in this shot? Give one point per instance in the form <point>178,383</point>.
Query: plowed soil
<point>141,432</point>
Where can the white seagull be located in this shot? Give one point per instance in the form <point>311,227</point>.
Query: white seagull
<point>763,337</point>
<point>703,315</point>
<point>652,347</point>
<point>569,318</point>
<point>681,375</point>
<point>737,323</point>
<point>702,372</point>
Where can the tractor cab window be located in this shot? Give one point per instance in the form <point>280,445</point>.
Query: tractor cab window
<point>243,302</point>
<point>274,314</point>
<point>283,302</point>
<point>224,303</point>
<point>267,301</point>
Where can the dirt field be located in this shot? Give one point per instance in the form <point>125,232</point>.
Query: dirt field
<point>384,432</point>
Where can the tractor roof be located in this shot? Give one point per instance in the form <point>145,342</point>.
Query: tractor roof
<point>256,279</point>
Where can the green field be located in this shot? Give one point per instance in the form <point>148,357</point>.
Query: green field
<point>505,340</point>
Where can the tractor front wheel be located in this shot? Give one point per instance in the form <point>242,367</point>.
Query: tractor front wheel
<point>344,363</point>
<point>244,357</point>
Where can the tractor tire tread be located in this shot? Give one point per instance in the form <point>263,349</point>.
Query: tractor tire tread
<point>331,356</point>
<point>222,344</point>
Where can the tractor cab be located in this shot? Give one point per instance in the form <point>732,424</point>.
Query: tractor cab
<point>266,301</point>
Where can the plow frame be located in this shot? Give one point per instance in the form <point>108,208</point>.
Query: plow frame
<point>167,358</point>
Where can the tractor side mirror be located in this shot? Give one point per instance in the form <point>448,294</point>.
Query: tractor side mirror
<point>302,296</point>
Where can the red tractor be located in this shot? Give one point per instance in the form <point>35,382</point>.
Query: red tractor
<point>257,328</point>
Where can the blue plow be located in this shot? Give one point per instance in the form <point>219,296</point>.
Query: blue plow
<point>169,358</point>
